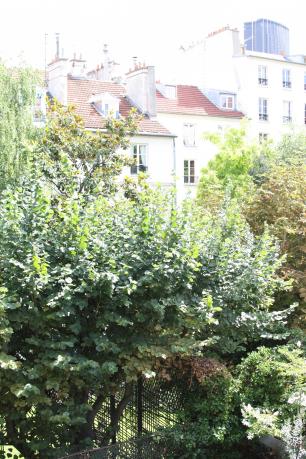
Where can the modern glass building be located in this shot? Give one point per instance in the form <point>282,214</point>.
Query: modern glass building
<point>266,36</point>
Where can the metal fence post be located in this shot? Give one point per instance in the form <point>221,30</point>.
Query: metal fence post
<point>139,405</point>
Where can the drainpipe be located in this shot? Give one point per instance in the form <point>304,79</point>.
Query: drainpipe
<point>174,169</point>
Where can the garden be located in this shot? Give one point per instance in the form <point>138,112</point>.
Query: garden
<point>177,331</point>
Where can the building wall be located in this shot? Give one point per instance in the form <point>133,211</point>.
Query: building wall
<point>203,150</point>
<point>250,91</point>
<point>160,159</point>
<point>228,69</point>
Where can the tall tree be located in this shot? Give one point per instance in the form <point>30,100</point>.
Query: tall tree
<point>91,296</point>
<point>17,95</point>
<point>75,160</point>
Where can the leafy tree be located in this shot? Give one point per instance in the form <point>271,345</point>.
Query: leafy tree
<point>292,149</point>
<point>280,203</point>
<point>269,186</point>
<point>17,93</point>
<point>91,296</point>
<point>238,274</point>
<point>75,160</point>
<point>230,169</point>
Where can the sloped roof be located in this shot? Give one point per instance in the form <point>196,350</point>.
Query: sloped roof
<point>80,91</point>
<point>191,101</point>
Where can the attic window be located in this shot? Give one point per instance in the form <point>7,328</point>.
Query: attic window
<point>227,101</point>
<point>167,90</point>
<point>106,104</point>
<point>170,91</point>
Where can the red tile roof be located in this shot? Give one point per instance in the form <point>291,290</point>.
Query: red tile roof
<point>191,101</point>
<point>80,91</point>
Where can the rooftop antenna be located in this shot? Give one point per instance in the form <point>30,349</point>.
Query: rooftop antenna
<point>57,37</point>
<point>46,78</point>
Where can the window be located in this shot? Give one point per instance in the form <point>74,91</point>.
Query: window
<point>105,104</point>
<point>189,135</point>
<point>286,78</point>
<point>263,137</point>
<point>305,81</point>
<point>287,118</point>
<point>105,111</point>
<point>139,155</point>
<point>262,75</point>
<point>263,109</point>
<point>189,176</point>
<point>227,101</point>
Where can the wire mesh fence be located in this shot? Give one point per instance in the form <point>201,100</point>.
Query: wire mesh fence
<point>154,404</point>
<point>145,447</point>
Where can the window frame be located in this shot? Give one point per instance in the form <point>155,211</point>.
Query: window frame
<point>263,137</point>
<point>287,113</point>
<point>226,97</point>
<point>262,70</point>
<point>190,177</point>
<point>143,167</point>
<point>187,136</point>
<point>286,74</point>
<point>263,109</point>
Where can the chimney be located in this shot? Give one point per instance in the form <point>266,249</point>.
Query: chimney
<point>57,79</point>
<point>141,88</point>
<point>77,67</point>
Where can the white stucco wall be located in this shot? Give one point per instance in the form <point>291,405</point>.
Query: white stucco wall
<point>203,150</point>
<point>250,91</point>
<point>227,68</point>
<point>160,159</point>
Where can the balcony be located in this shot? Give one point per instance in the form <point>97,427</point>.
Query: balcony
<point>263,116</point>
<point>136,169</point>
<point>287,84</point>
<point>263,81</point>
<point>190,180</point>
<point>287,119</point>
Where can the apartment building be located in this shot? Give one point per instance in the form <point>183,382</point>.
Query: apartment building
<point>170,145</point>
<point>269,88</point>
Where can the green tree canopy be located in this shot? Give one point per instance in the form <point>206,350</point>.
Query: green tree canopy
<point>17,94</point>
<point>91,297</point>
<point>76,160</point>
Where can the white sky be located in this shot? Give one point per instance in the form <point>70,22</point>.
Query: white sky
<point>152,30</point>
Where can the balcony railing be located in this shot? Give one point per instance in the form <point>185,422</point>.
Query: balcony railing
<point>190,180</point>
<point>263,81</point>
<point>287,119</point>
<point>286,84</point>
<point>137,169</point>
<point>263,116</point>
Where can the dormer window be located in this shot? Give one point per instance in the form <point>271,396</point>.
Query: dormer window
<point>167,90</point>
<point>105,104</point>
<point>227,101</point>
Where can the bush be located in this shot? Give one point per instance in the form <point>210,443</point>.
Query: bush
<point>209,421</point>
<point>268,377</point>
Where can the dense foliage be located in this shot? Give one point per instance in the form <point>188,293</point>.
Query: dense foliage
<point>17,93</point>
<point>102,283</point>
<point>75,160</point>
<point>269,184</point>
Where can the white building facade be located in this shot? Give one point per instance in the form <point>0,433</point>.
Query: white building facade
<point>170,145</point>
<point>269,88</point>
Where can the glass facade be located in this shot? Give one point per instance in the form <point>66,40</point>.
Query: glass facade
<point>266,36</point>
